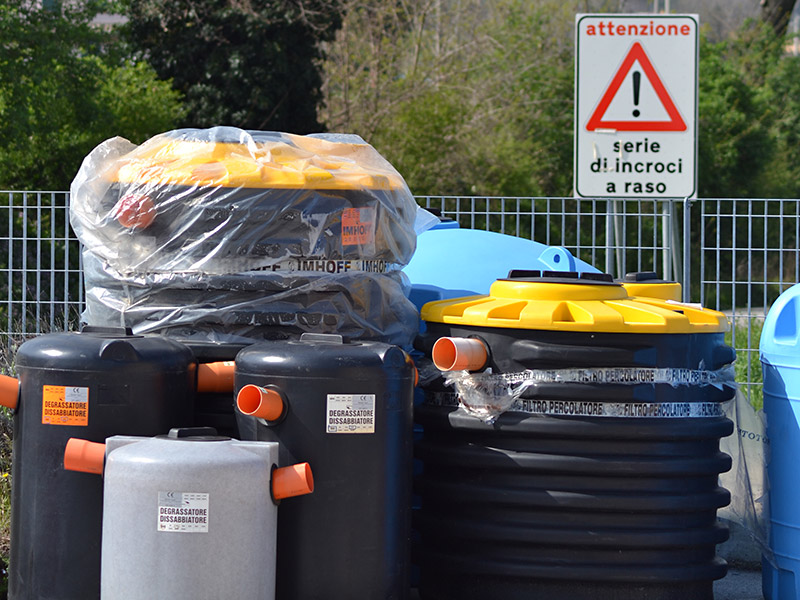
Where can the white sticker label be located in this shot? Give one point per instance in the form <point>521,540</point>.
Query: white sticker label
<point>76,394</point>
<point>351,413</point>
<point>581,408</point>
<point>183,512</point>
<point>323,265</point>
<point>660,410</point>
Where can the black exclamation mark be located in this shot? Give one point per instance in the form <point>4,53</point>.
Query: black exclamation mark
<point>637,78</point>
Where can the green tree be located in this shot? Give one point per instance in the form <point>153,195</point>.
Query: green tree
<point>59,97</point>
<point>777,13</point>
<point>477,98</point>
<point>246,63</point>
<point>61,94</point>
<point>464,98</point>
<point>749,116</point>
<point>734,144</point>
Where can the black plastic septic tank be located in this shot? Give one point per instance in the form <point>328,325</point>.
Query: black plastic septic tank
<point>348,411</point>
<point>91,385</point>
<point>215,408</point>
<point>590,471</point>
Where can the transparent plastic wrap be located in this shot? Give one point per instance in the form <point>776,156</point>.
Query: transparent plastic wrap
<point>487,395</point>
<point>225,235</point>
<point>224,200</point>
<point>251,306</point>
<point>747,480</point>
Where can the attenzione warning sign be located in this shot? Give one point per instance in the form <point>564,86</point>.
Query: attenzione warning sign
<point>636,106</point>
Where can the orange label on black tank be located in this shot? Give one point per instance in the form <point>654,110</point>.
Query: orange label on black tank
<point>358,226</point>
<point>65,405</point>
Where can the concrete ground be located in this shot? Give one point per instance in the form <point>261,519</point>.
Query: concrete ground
<point>743,581</point>
<point>739,585</point>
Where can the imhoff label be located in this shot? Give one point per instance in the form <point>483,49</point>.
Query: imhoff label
<point>350,413</point>
<point>183,512</point>
<point>358,226</point>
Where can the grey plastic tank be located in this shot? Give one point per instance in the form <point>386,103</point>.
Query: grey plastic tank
<point>190,515</point>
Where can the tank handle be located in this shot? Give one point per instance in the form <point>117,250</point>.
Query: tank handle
<point>9,392</point>
<point>459,354</point>
<point>264,403</point>
<point>84,456</point>
<point>215,377</point>
<point>294,480</point>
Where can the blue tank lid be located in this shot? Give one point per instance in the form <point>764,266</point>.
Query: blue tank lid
<point>453,262</point>
<point>780,337</point>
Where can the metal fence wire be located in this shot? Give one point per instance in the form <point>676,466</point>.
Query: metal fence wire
<point>42,287</point>
<point>733,255</point>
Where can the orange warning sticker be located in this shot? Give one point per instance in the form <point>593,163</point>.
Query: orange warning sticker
<point>358,226</point>
<point>65,405</point>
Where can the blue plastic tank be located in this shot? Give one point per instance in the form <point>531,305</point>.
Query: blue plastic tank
<point>780,361</point>
<point>450,262</point>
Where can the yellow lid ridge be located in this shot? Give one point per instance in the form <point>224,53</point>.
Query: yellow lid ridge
<point>573,305</point>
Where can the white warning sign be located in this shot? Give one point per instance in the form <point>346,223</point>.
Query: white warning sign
<point>636,106</point>
<point>183,512</point>
<point>350,413</point>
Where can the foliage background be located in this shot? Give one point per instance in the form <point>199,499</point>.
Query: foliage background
<point>463,96</point>
<point>472,97</point>
<point>61,94</point>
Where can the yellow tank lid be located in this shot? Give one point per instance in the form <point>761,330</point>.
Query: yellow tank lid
<point>589,302</point>
<point>281,161</point>
<point>648,284</point>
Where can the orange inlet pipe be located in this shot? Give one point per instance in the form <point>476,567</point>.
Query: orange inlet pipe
<point>85,456</point>
<point>216,377</point>
<point>260,402</point>
<point>135,211</point>
<point>459,354</point>
<point>9,392</point>
<point>295,480</point>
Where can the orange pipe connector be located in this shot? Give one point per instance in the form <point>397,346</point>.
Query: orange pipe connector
<point>459,354</point>
<point>85,456</point>
<point>9,392</point>
<point>135,211</point>
<point>216,377</point>
<point>260,402</point>
<point>295,480</point>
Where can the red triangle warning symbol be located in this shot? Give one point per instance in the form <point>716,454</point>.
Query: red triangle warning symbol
<point>675,123</point>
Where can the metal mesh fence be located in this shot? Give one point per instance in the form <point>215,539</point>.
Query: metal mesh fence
<point>745,254</point>
<point>617,236</point>
<point>733,255</point>
<point>41,287</point>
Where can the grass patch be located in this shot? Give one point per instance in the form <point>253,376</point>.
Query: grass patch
<point>744,336</point>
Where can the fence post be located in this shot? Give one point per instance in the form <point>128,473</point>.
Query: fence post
<point>667,241</point>
<point>687,250</point>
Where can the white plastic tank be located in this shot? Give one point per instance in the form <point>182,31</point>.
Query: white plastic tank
<point>190,515</point>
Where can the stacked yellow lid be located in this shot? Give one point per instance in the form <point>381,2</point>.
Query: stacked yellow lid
<point>583,305</point>
<point>299,162</point>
